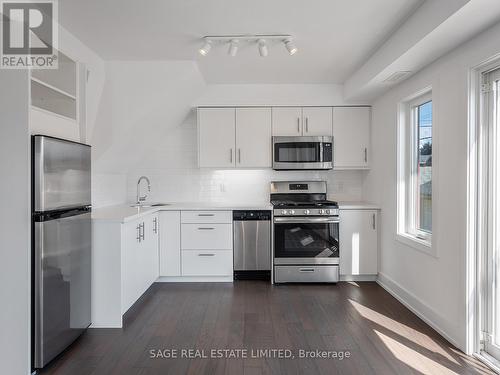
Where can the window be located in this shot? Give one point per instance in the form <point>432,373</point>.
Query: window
<point>415,170</point>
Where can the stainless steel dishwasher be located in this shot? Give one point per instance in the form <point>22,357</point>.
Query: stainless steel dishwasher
<point>252,245</point>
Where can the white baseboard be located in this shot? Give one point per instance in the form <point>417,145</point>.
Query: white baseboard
<point>358,277</point>
<point>419,308</point>
<point>195,279</point>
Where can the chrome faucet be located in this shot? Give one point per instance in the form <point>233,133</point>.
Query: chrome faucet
<point>142,198</point>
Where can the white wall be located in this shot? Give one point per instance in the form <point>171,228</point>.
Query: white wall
<point>432,286</point>
<point>141,103</point>
<point>15,231</point>
<point>292,94</point>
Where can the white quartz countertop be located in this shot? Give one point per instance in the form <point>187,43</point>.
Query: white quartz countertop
<point>358,206</point>
<point>124,213</point>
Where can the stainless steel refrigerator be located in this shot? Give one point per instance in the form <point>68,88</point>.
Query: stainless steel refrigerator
<point>62,238</point>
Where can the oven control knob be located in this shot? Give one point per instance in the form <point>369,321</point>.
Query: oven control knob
<point>327,212</point>
<point>292,212</point>
<point>284,212</point>
<point>307,212</point>
<point>321,212</point>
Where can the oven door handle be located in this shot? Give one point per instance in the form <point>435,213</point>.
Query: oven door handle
<point>327,220</point>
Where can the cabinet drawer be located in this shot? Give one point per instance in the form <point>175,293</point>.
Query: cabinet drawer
<point>206,236</point>
<point>306,274</point>
<point>207,263</point>
<point>220,217</point>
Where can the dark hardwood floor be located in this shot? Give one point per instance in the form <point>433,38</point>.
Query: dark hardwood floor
<point>381,335</point>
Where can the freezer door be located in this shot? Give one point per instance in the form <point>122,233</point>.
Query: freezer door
<point>61,174</point>
<point>62,284</point>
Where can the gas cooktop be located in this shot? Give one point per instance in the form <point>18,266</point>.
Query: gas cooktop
<point>313,204</point>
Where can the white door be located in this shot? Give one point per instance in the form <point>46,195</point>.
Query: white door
<point>216,137</point>
<point>317,121</point>
<point>351,137</point>
<point>253,137</point>
<point>170,243</point>
<point>287,121</point>
<point>358,242</point>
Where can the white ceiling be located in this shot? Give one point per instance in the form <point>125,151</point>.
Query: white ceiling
<point>334,37</point>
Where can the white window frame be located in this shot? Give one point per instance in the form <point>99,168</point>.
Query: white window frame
<point>406,230</point>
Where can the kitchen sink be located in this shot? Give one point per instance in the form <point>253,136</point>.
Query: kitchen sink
<point>140,205</point>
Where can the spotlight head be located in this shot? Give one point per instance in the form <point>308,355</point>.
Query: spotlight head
<point>206,48</point>
<point>233,47</point>
<point>262,47</point>
<point>290,46</point>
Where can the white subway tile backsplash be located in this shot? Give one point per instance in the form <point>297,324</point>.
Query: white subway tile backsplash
<point>109,189</point>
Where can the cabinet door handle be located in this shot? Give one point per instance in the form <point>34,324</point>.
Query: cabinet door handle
<point>143,231</point>
<point>206,255</point>
<point>374,222</point>
<point>306,269</point>
<point>298,125</point>
<point>206,214</point>
<point>366,155</point>
<point>307,124</point>
<point>206,228</point>
<point>155,225</point>
<point>230,155</point>
<point>138,238</point>
<point>239,155</point>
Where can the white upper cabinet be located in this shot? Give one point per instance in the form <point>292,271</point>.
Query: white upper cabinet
<point>287,121</point>
<point>234,137</point>
<point>216,137</point>
<point>242,137</point>
<point>57,102</point>
<point>302,121</point>
<point>351,137</point>
<point>359,239</point>
<point>253,137</point>
<point>317,121</point>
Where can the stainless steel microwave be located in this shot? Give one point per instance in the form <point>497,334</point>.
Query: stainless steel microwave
<point>304,153</point>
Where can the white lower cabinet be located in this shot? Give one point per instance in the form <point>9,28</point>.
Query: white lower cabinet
<point>196,244</point>
<point>170,243</point>
<point>207,243</point>
<point>206,236</point>
<point>207,262</point>
<point>140,258</point>
<point>124,266</point>
<point>358,243</point>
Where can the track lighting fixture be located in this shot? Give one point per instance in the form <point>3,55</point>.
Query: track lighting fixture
<point>263,42</point>
<point>290,46</point>
<point>233,47</point>
<point>262,48</point>
<point>206,48</point>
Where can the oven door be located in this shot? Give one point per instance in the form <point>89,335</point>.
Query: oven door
<point>299,153</point>
<point>306,240</point>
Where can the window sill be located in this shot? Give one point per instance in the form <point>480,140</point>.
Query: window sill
<point>417,243</point>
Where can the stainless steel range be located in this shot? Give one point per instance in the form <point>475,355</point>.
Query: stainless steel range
<point>305,232</point>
